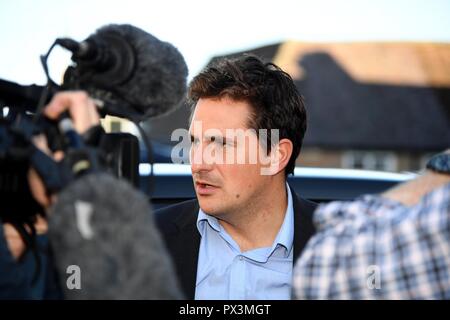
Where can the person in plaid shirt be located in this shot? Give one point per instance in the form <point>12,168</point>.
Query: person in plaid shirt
<point>390,246</point>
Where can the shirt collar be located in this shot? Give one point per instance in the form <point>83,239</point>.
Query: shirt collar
<point>206,218</point>
<point>285,236</point>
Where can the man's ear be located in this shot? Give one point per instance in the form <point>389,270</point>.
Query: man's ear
<point>280,155</point>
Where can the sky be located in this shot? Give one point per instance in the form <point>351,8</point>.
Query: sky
<point>203,29</point>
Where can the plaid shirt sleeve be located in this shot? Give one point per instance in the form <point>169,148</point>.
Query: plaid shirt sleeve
<point>377,248</point>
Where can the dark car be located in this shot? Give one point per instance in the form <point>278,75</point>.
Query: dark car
<point>172,183</point>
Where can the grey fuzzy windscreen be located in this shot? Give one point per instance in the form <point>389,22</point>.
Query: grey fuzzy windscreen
<point>159,82</point>
<point>104,227</point>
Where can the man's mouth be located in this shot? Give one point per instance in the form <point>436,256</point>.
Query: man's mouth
<point>205,188</point>
<point>204,185</point>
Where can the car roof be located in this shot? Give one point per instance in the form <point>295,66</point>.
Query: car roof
<point>173,182</point>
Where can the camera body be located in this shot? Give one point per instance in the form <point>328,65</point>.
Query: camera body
<point>115,153</point>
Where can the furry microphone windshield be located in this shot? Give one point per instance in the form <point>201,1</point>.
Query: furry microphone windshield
<point>134,73</point>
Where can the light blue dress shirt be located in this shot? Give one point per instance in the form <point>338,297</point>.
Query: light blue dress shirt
<point>224,272</point>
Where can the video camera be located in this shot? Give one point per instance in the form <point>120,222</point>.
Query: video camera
<point>128,72</point>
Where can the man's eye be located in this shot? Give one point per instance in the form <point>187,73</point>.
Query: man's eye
<point>194,140</point>
<point>218,140</point>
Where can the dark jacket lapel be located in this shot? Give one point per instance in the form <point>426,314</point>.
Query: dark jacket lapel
<point>184,247</point>
<point>303,223</point>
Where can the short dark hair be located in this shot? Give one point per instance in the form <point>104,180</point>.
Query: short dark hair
<point>270,91</point>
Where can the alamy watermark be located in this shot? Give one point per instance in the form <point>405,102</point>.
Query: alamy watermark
<point>236,146</point>
<point>373,277</point>
<point>73,281</point>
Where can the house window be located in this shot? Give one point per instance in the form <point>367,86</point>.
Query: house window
<point>369,160</point>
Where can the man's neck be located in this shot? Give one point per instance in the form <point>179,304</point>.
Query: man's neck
<point>257,225</point>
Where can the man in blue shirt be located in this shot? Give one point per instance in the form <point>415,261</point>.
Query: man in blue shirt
<point>239,238</point>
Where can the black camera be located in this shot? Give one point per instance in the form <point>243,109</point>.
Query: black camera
<point>128,73</point>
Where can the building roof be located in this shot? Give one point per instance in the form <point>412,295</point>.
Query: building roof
<point>388,96</point>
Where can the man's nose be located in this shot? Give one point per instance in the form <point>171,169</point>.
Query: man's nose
<point>198,161</point>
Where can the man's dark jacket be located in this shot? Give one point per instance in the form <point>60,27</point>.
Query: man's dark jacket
<point>178,225</point>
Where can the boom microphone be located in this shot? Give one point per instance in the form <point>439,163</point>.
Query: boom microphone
<point>134,74</point>
<point>104,227</point>
<point>146,75</point>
